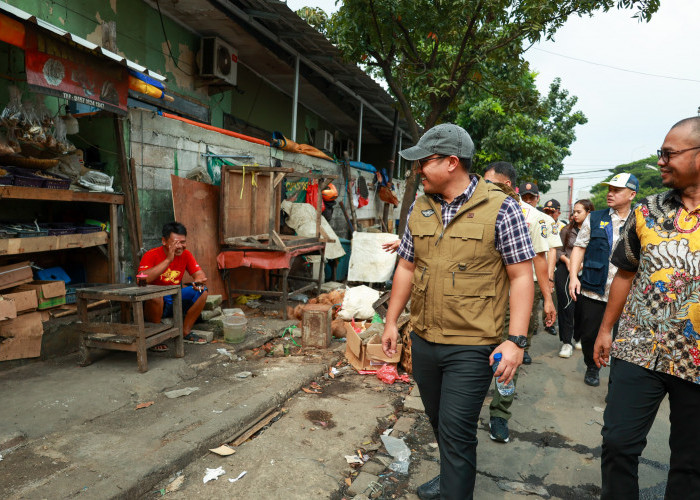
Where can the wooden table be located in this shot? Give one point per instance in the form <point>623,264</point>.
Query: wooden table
<point>280,261</point>
<point>131,333</point>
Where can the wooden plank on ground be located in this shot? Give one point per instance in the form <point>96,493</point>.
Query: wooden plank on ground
<point>264,420</point>
<point>196,205</point>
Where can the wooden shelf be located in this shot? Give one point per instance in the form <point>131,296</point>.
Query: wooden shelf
<point>29,193</point>
<point>15,246</point>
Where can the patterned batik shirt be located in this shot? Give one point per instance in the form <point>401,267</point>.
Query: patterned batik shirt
<point>661,319</point>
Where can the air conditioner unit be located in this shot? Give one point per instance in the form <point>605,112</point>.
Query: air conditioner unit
<point>217,59</point>
<point>324,140</point>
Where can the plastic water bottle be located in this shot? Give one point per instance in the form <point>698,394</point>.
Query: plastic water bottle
<point>504,389</point>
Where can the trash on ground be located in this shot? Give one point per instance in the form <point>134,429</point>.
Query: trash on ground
<point>225,352</point>
<point>388,374</point>
<point>223,450</point>
<point>239,476</point>
<point>388,431</point>
<point>213,474</point>
<point>357,303</point>
<point>243,374</point>
<point>175,485</point>
<point>299,297</point>
<point>244,299</point>
<point>311,391</point>
<point>144,405</point>
<point>354,459</point>
<point>399,451</point>
<point>180,392</point>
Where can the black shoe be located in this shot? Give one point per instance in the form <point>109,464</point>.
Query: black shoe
<point>526,358</point>
<point>551,330</point>
<point>591,378</point>
<point>499,429</point>
<point>429,490</point>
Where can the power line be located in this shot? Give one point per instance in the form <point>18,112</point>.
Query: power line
<point>618,68</point>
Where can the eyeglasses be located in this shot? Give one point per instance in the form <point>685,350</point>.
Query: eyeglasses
<point>666,155</point>
<point>421,163</point>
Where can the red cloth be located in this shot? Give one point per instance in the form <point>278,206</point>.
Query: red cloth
<point>173,274</point>
<point>229,259</point>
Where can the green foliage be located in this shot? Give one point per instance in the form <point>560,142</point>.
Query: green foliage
<point>427,50</point>
<point>315,16</point>
<point>649,180</point>
<point>513,122</point>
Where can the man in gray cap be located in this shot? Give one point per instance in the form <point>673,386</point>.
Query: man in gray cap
<point>466,243</point>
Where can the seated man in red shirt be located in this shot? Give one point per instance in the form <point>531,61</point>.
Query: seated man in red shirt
<point>166,265</point>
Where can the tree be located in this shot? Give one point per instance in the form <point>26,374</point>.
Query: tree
<point>428,50</point>
<point>315,16</point>
<point>514,123</point>
<point>644,170</point>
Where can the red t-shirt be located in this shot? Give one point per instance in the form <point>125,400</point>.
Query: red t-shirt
<point>173,274</point>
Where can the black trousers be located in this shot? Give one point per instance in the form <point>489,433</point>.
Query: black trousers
<point>453,381</point>
<point>565,304</point>
<point>588,315</point>
<point>634,396</point>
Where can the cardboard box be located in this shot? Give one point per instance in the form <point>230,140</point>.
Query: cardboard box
<point>24,301</point>
<point>8,309</point>
<point>368,356</point>
<point>15,274</point>
<point>48,293</point>
<point>23,337</point>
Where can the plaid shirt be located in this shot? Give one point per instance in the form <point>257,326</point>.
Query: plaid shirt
<point>512,236</point>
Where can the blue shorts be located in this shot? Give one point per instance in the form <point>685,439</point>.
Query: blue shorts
<point>189,297</point>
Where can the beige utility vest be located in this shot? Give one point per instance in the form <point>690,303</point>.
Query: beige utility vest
<point>459,291</point>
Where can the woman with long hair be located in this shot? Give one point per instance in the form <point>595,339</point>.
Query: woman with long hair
<point>565,306</point>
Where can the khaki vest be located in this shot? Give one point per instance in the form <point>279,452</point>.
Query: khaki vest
<point>459,291</point>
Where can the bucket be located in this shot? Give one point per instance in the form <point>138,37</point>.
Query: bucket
<point>234,329</point>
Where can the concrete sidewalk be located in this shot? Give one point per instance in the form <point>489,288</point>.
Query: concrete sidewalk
<point>69,430</point>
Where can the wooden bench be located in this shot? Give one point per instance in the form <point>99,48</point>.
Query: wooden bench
<point>131,333</point>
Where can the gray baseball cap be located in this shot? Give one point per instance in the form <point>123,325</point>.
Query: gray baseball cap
<point>446,139</point>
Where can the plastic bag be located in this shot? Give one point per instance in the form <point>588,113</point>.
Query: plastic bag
<point>312,196</point>
<point>388,374</point>
<point>357,303</point>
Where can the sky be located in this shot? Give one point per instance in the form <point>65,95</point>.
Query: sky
<point>633,81</point>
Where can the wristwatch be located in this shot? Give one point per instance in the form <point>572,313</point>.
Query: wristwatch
<point>520,340</point>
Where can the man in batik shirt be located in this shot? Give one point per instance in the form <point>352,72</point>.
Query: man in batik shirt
<point>656,349</point>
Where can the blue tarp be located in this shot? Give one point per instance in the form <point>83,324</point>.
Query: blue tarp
<point>363,166</point>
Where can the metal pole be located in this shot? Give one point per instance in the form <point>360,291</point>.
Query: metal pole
<point>295,98</point>
<point>400,159</point>
<point>359,132</point>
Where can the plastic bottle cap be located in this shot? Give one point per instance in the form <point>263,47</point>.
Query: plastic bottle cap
<point>497,356</point>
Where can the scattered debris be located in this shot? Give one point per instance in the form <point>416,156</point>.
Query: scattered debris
<point>223,450</point>
<point>399,451</point>
<point>180,392</point>
<point>311,391</point>
<point>175,484</point>
<point>264,420</point>
<point>239,476</point>
<point>354,459</point>
<point>388,374</point>
<point>213,474</point>
<point>225,352</point>
<point>243,374</point>
<point>144,405</point>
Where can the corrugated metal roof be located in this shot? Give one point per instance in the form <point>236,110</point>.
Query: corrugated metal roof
<point>91,47</point>
<point>269,35</point>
